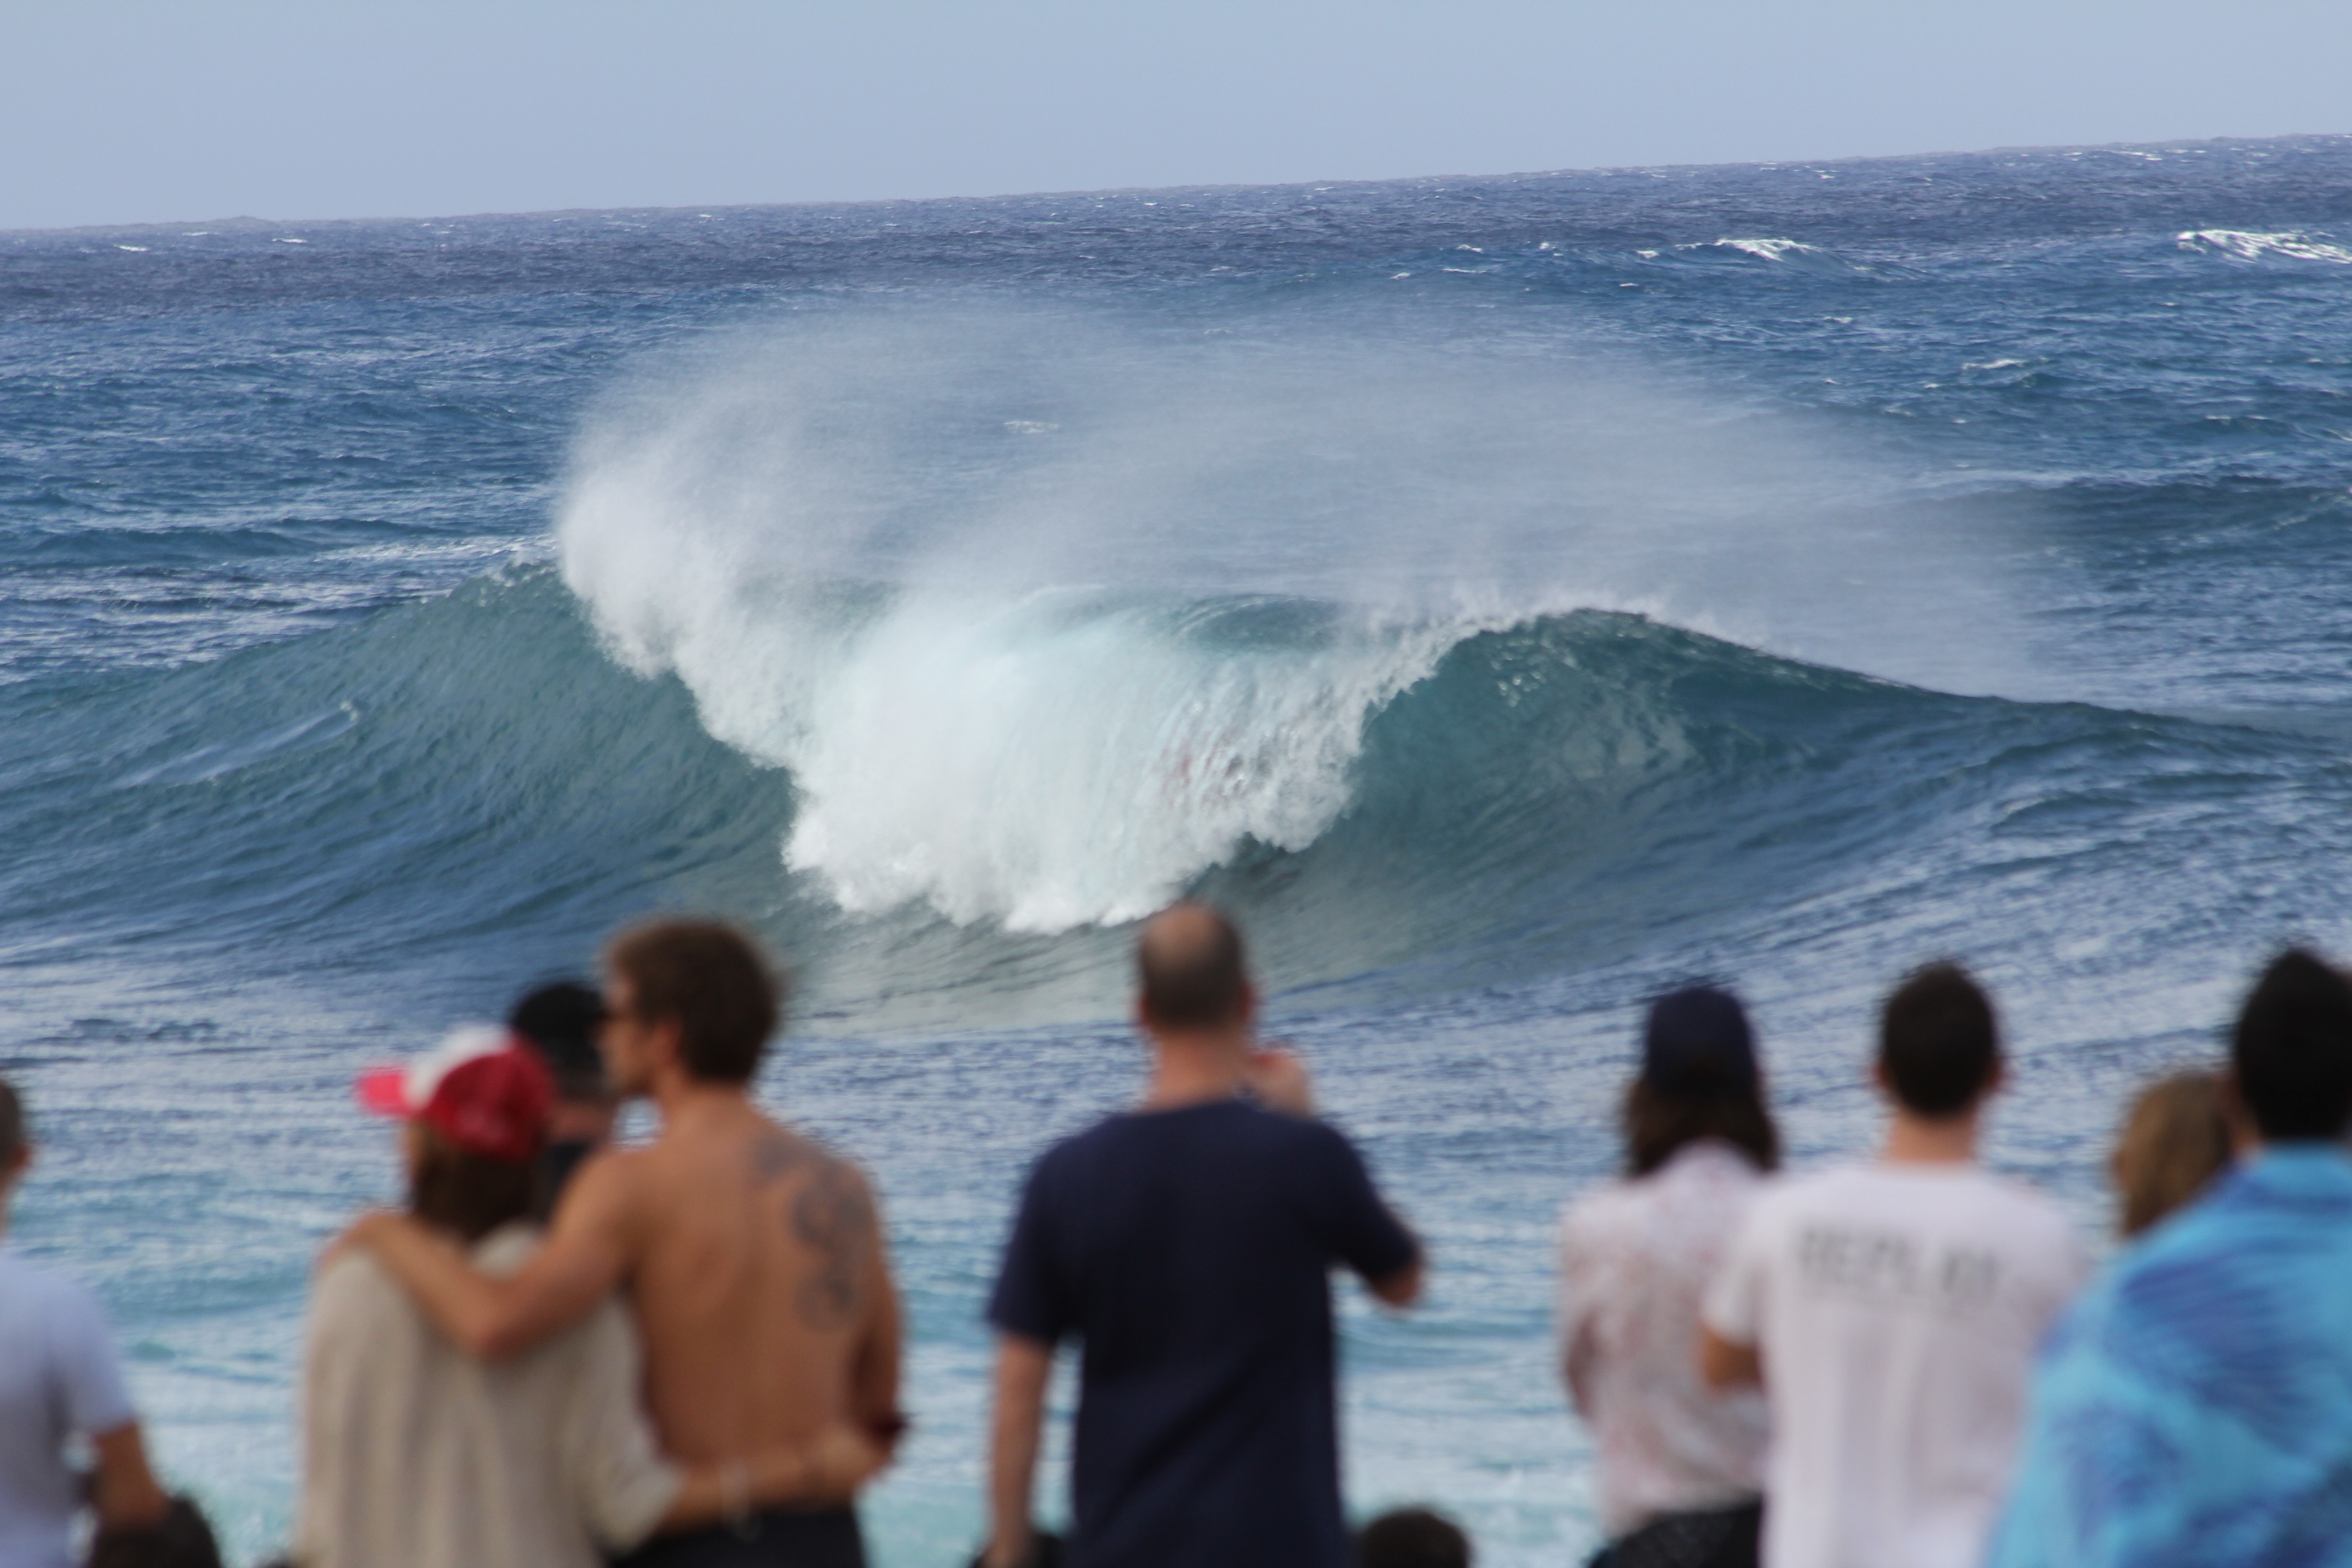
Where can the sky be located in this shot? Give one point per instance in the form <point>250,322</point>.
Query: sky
<point>120,111</point>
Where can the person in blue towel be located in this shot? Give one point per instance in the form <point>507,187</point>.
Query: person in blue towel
<point>2195,1405</point>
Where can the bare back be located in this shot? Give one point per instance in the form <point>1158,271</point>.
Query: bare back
<point>754,1259</point>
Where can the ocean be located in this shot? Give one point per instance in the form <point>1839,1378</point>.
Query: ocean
<point>1508,596</point>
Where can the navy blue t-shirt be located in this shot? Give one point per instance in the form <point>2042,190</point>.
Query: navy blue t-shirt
<point>1189,1251</point>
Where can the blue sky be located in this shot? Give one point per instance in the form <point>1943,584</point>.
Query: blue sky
<point>114,112</point>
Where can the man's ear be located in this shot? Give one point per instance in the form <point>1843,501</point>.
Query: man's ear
<point>667,1038</point>
<point>21,1163</point>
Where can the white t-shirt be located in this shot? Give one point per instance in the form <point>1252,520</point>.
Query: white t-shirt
<point>1897,1307</point>
<point>58,1379</point>
<point>1635,1259</point>
<point>414,1454</point>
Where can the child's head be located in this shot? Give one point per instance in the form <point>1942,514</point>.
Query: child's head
<point>2175,1140</point>
<point>1412,1538</point>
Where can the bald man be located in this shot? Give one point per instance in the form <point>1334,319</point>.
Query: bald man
<point>1188,1245</point>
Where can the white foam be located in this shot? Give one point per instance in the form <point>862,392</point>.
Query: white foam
<point>140,248</point>
<point>2249,246</point>
<point>1770,249</point>
<point>1002,760</point>
<point>996,594</point>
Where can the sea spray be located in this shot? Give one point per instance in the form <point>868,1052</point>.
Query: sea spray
<point>970,576</point>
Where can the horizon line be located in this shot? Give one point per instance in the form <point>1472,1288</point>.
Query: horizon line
<point>249,220</point>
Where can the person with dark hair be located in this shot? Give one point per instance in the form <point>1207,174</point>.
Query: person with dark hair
<point>754,1257</point>
<point>1681,1464</point>
<point>1188,1245</point>
<point>413,1453</point>
<point>2195,1405</point>
<point>2174,1141</point>
<point>1891,1309</point>
<point>59,1380</point>
<point>560,1021</point>
<point>1412,1538</point>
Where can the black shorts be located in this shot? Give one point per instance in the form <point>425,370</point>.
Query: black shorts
<point>772,1538</point>
<point>1711,1538</point>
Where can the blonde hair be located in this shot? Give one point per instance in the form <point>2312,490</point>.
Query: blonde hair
<point>2175,1140</point>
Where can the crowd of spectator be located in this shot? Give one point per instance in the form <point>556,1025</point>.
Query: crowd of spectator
<point>561,1352</point>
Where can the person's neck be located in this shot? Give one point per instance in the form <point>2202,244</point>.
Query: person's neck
<point>1931,1141</point>
<point>687,1102</point>
<point>1195,1068</point>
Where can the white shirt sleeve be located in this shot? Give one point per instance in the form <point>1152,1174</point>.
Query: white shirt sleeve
<point>1734,1308</point>
<point>1585,1269</point>
<point>620,1483</point>
<point>89,1374</point>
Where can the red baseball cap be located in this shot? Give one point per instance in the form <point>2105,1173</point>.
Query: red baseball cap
<point>481,1089</point>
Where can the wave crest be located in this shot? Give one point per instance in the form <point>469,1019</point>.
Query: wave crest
<point>1045,621</point>
<point>2290,245</point>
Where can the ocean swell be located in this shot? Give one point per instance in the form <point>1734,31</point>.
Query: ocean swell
<point>1046,615</point>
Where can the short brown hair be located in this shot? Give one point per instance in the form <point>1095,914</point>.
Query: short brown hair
<point>473,1194</point>
<point>12,1136</point>
<point>711,978</point>
<point>1658,1124</point>
<point>1190,969</point>
<point>2173,1142</point>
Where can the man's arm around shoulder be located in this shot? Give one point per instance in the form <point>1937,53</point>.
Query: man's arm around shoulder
<point>585,1259</point>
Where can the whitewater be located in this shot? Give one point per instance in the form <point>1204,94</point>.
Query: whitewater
<point>1508,596</point>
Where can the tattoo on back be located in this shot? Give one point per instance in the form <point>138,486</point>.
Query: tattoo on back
<point>833,1218</point>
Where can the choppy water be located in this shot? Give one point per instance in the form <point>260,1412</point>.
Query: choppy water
<point>1508,594</point>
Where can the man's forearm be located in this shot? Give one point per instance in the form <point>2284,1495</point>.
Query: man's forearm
<point>1012,1474</point>
<point>474,1311</point>
<point>1402,1288</point>
<point>1021,1370</point>
<point>828,1469</point>
<point>123,1490</point>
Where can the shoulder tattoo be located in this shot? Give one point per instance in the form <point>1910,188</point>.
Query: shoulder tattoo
<point>834,1218</point>
<point>831,1214</point>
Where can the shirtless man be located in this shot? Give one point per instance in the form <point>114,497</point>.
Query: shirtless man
<point>754,1258</point>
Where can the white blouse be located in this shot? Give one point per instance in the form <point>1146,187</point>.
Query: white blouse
<point>1635,1260</point>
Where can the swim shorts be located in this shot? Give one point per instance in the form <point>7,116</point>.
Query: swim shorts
<point>772,1538</point>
